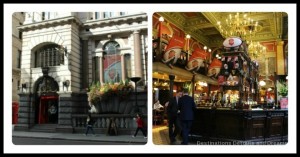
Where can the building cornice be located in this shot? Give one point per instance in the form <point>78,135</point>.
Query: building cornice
<point>50,23</point>
<point>116,20</point>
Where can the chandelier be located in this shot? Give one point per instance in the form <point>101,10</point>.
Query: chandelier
<point>255,50</point>
<point>238,25</point>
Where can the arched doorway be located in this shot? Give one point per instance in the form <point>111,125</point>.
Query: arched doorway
<point>46,109</point>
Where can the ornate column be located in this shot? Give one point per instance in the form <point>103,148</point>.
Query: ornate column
<point>280,58</point>
<point>137,54</point>
<point>84,66</point>
<point>123,67</point>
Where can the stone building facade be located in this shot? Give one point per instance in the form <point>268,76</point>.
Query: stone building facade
<point>63,53</point>
<point>17,20</point>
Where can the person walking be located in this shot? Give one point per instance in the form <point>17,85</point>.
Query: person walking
<point>89,125</point>
<point>187,107</point>
<point>140,126</point>
<point>173,119</point>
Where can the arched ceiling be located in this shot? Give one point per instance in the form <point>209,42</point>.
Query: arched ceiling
<point>203,25</point>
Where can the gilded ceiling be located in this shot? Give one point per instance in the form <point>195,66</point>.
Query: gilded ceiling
<point>203,25</point>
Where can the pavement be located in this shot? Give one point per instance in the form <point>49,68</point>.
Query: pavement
<point>81,137</point>
<point>159,133</point>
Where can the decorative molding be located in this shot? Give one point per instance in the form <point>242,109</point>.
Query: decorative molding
<point>50,23</point>
<point>116,20</point>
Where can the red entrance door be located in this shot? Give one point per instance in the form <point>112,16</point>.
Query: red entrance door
<point>43,108</point>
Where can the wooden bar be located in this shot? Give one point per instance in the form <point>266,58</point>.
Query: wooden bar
<point>240,125</point>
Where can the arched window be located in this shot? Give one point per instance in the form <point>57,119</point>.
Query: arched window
<point>112,62</point>
<point>49,55</point>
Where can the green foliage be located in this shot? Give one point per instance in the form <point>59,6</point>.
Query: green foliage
<point>282,88</point>
<point>126,82</point>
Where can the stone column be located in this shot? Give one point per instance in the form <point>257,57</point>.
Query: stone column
<point>101,72</point>
<point>123,67</point>
<point>84,65</point>
<point>280,58</point>
<point>137,54</point>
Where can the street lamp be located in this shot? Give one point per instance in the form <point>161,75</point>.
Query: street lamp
<point>135,80</point>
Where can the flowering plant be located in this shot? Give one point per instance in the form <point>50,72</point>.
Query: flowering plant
<point>100,92</point>
<point>282,88</point>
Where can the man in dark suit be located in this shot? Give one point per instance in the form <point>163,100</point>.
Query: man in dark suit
<point>187,107</point>
<point>173,120</point>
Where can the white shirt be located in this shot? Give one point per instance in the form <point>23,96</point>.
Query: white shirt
<point>157,105</point>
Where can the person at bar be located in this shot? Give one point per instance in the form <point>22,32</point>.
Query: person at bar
<point>187,108</point>
<point>157,106</point>
<point>173,120</point>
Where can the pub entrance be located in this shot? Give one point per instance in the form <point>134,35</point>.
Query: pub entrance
<point>48,110</point>
<point>46,98</point>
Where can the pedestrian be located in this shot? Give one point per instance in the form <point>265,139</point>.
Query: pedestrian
<point>173,119</point>
<point>140,126</point>
<point>89,125</point>
<point>187,107</point>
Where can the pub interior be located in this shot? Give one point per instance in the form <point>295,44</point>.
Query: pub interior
<point>235,65</point>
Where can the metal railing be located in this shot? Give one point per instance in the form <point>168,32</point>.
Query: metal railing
<point>103,120</point>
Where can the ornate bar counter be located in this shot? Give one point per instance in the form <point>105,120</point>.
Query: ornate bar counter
<point>241,126</point>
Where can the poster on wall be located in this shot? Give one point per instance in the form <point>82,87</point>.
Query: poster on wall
<point>112,69</point>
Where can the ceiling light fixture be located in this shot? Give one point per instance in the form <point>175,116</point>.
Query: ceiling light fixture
<point>238,25</point>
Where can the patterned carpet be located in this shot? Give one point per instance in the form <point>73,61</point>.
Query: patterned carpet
<point>160,135</point>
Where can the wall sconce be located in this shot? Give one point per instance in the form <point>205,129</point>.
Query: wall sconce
<point>66,84</point>
<point>161,20</point>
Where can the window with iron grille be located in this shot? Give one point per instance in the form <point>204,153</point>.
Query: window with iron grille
<point>49,55</point>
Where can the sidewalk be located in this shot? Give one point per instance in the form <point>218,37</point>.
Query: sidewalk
<point>81,137</point>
